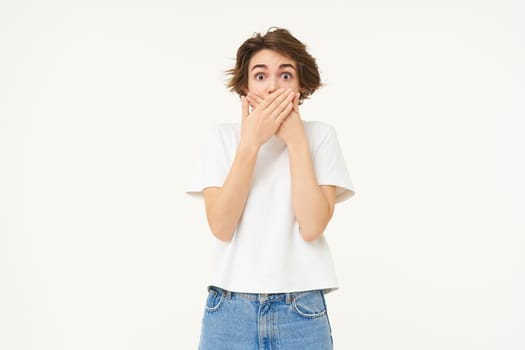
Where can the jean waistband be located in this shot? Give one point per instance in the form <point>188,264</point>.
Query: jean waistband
<point>262,297</point>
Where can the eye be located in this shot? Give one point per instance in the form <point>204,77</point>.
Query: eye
<point>259,76</point>
<point>286,76</point>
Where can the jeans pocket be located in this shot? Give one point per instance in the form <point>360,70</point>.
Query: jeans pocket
<point>214,300</point>
<point>309,304</point>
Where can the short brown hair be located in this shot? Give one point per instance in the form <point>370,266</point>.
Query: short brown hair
<point>282,41</point>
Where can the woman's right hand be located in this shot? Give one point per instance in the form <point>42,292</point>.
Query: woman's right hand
<point>262,123</point>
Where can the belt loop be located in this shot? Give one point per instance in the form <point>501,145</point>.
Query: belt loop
<point>263,297</point>
<point>288,298</point>
<point>228,294</point>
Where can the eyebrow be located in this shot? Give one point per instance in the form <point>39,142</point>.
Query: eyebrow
<point>284,65</point>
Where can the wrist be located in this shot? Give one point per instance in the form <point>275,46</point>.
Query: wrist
<point>298,143</point>
<point>247,148</point>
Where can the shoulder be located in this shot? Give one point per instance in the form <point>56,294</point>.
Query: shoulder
<point>225,129</point>
<point>225,126</point>
<point>223,135</point>
<point>317,130</point>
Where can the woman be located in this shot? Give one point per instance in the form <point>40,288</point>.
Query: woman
<point>270,184</point>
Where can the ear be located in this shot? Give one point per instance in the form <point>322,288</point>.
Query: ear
<point>301,96</point>
<point>245,90</point>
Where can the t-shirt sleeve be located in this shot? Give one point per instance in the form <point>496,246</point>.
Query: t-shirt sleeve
<point>330,166</point>
<point>211,165</point>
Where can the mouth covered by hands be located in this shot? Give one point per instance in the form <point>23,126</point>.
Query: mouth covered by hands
<point>276,114</point>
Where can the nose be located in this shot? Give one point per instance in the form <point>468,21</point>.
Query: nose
<point>272,85</point>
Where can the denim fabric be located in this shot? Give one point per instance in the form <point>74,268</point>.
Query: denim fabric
<point>246,321</point>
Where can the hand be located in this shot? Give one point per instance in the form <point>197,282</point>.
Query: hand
<point>264,120</point>
<point>291,129</point>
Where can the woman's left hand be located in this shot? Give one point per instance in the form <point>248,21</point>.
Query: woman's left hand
<point>291,129</point>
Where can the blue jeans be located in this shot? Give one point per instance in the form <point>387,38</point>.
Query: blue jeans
<point>246,321</point>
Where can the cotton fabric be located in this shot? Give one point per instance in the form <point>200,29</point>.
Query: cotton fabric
<point>267,253</point>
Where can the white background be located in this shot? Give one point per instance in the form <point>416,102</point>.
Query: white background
<point>102,108</point>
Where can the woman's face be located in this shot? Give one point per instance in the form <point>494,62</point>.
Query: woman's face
<point>269,70</point>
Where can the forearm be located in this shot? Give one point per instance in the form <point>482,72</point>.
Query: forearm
<point>226,208</point>
<point>311,208</point>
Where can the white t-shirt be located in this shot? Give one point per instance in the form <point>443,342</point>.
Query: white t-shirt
<point>267,253</point>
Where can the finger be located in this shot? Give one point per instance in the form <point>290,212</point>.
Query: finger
<point>296,102</point>
<point>251,101</point>
<point>245,107</point>
<point>282,104</point>
<point>271,98</point>
<point>285,113</point>
<point>279,99</point>
<point>279,103</point>
<point>256,98</point>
